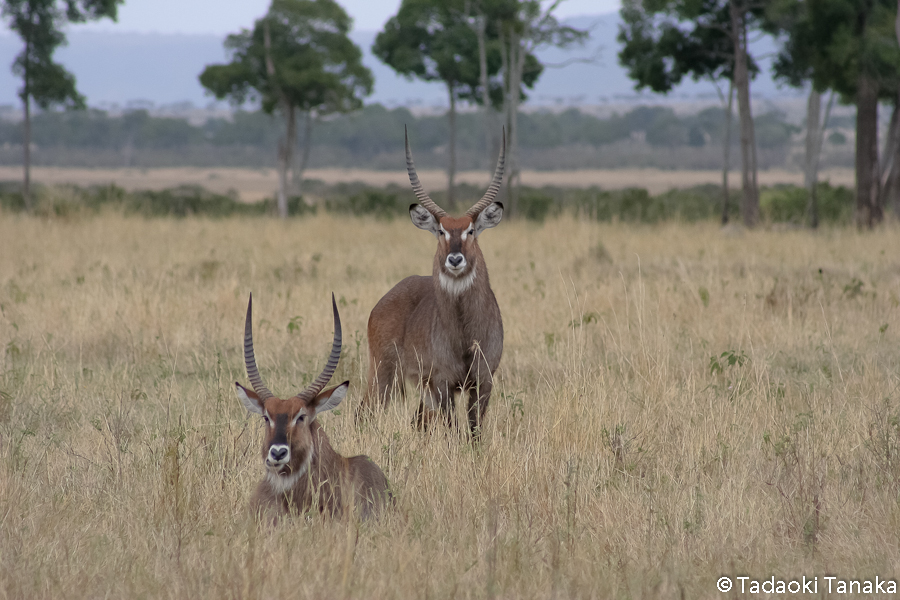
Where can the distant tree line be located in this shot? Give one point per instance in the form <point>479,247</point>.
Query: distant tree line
<point>376,130</point>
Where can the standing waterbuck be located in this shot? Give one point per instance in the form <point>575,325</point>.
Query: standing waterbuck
<point>303,471</point>
<point>442,331</point>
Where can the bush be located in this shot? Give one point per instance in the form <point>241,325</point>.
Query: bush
<point>371,201</point>
<point>783,204</point>
<point>537,206</point>
<point>787,204</point>
<point>187,200</point>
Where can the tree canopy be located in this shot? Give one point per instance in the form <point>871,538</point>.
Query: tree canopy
<point>297,57</point>
<point>317,66</point>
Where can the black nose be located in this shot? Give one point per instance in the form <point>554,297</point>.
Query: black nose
<point>455,259</point>
<point>278,454</point>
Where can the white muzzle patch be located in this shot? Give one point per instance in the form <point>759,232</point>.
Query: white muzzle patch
<point>284,483</point>
<point>457,285</point>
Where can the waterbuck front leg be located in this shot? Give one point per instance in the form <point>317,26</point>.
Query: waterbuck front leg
<point>479,395</point>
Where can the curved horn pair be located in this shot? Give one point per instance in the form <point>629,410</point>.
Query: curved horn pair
<point>313,390</point>
<point>436,210</point>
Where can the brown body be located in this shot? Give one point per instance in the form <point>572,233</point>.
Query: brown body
<point>303,471</point>
<point>333,484</point>
<point>443,332</point>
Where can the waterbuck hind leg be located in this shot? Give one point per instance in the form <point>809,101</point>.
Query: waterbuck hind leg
<point>479,396</point>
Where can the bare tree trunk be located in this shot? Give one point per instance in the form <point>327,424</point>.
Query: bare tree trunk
<point>890,173</point>
<point>26,142</point>
<point>868,210</point>
<point>300,166</point>
<point>489,153</point>
<point>726,153</point>
<point>514,65</point>
<point>26,185</point>
<point>811,166</point>
<point>451,167</point>
<point>286,146</point>
<point>750,201</point>
<point>285,157</point>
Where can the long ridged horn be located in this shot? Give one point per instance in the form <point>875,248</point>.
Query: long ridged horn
<point>494,188</point>
<point>325,376</point>
<point>424,200</point>
<point>250,360</point>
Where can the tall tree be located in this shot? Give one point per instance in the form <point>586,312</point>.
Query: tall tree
<point>788,21</point>
<point>857,55</point>
<point>524,27</point>
<point>297,57</point>
<point>664,40</point>
<point>432,40</point>
<point>40,24</point>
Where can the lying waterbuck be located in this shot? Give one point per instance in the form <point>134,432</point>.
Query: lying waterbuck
<point>442,331</point>
<point>303,471</point>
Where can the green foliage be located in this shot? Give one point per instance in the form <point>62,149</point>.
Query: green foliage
<point>371,132</point>
<point>666,40</point>
<point>837,138</point>
<point>704,296</point>
<point>635,205</point>
<point>787,204</point>
<point>432,40</point>
<point>316,65</point>
<point>378,203</point>
<point>537,206</point>
<point>70,201</point>
<point>834,42</point>
<point>727,360</point>
<point>41,24</point>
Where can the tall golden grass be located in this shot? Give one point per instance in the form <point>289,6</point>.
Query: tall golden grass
<point>675,403</point>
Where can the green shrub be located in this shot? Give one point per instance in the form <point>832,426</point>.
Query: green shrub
<point>788,204</point>
<point>370,201</point>
<point>187,200</point>
<point>836,204</point>
<point>537,206</point>
<point>783,204</point>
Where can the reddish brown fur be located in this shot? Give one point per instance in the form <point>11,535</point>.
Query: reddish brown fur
<point>444,341</point>
<point>328,482</point>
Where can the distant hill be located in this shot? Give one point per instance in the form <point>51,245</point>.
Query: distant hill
<point>118,68</point>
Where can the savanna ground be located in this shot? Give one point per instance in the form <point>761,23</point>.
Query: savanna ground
<point>253,185</point>
<point>675,403</point>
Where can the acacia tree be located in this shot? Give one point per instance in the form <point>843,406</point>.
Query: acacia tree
<point>40,24</point>
<point>524,26</point>
<point>857,55</point>
<point>431,40</point>
<point>788,20</point>
<point>664,40</point>
<point>297,57</point>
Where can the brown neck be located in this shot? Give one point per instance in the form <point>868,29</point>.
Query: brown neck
<point>325,462</point>
<point>468,305</point>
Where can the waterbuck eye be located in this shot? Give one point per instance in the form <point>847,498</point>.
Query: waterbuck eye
<point>265,418</point>
<point>301,418</point>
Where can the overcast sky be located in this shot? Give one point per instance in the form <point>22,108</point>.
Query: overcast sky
<point>227,16</point>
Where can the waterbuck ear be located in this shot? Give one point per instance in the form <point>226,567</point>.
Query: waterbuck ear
<point>489,217</point>
<point>330,398</point>
<point>423,219</point>
<point>249,399</point>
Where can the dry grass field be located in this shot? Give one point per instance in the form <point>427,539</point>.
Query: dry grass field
<point>675,403</point>
<point>253,185</point>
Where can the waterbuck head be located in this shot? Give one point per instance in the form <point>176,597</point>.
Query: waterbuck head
<point>290,423</point>
<point>458,254</point>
